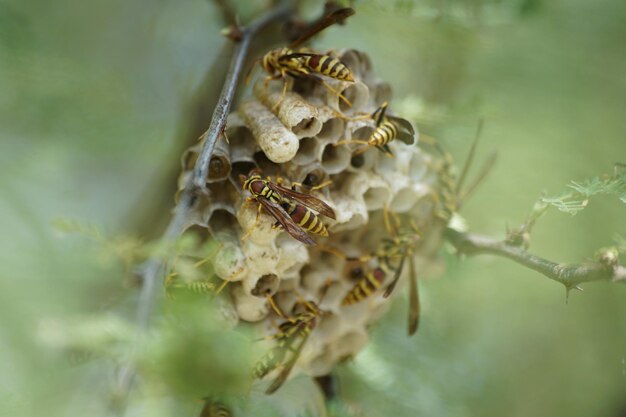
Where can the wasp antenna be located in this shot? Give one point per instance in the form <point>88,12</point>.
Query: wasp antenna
<point>487,166</point>
<point>470,157</point>
<point>275,307</point>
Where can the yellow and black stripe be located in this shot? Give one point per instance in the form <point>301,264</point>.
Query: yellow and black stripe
<point>384,133</point>
<point>328,66</point>
<point>365,287</point>
<point>305,218</point>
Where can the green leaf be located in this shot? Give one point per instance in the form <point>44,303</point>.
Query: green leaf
<point>577,199</point>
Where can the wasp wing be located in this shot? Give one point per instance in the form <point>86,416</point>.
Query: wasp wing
<point>285,221</point>
<point>287,367</point>
<point>396,277</point>
<point>406,133</point>
<point>304,199</point>
<point>379,114</point>
<point>335,16</point>
<point>296,55</point>
<point>414,301</point>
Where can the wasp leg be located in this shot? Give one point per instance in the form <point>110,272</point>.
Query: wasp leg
<point>347,142</point>
<point>227,281</point>
<point>341,96</point>
<point>286,82</point>
<point>275,307</point>
<point>392,228</point>
<point>315,188</point>
<point>339,254</point>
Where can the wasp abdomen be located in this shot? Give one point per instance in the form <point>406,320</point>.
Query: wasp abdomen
<point>329,66</point>
<point>365,287</point>
<point>383,134</point>
<point>305,218</point>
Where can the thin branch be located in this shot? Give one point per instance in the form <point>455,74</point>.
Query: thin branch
<point>220,114</point>
<point>153,268</point>
<point>569,275</point>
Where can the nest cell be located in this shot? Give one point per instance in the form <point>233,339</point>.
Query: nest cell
<point>404,199</point>
<point>309,148</point>
<point>332,129</point>
<point>335,158</point>
<point>296,113</point>
<point>219,164</point>
<point>356,93</point>
<point>350,342</point>
<point>222,222</point>
<point>261,286</point>
<point>249,308</point>
<point>380,93</point>
<point>277,141</point>
<point>230,262</point>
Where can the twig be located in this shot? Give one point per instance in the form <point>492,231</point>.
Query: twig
<point>152,269</point>
<point>220,114</point>
<point>569,275</point>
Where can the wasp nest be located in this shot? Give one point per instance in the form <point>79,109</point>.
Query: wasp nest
<point>297,138</point>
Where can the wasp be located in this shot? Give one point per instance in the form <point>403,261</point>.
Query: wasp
<point>281,62</point>
<point>291,339</point>
<point>394,252</point>
<point>214,409</point>
<point>367,285</point>
<point>291,209</point>
<point>388,128</point>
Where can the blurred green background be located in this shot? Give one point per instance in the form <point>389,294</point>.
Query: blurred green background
<point>95,108</point>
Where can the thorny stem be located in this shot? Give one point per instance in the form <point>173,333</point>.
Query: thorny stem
<point>569,275</point>
<point>153,268</point>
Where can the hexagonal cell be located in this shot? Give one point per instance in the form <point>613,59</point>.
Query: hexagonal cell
<point>307,151</point>
<point>356,93</point>
<point>264,286</point>
<point>335,158</point>
<point>332,129</point>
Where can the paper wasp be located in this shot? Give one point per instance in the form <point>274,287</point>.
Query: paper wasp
<point>398,247</point>
<point>291,209</point>
<point>388,128</point>
<point>394,251</point>
<point>280,62</point>
<point>291,338</point>
<point>368,284</point>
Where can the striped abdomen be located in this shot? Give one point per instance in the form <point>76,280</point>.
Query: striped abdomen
<point>305,218</point>
<point>384,133</point>
<point>365,287</point>
<point>328,66</point>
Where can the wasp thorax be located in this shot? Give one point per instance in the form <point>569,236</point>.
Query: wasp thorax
<point>312,225</point>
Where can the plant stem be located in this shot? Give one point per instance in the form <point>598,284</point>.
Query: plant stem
<point>153,268</point>
<point>569,275</point>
